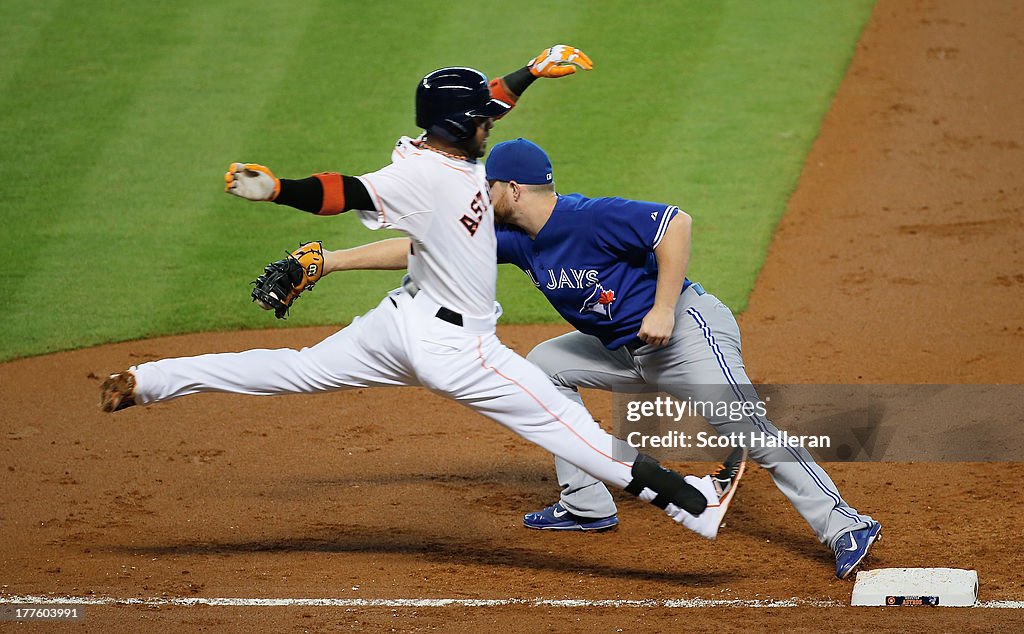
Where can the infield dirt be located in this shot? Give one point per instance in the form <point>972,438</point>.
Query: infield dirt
<point>900,259</point>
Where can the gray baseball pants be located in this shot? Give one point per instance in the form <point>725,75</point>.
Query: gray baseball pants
<point>701,362</point>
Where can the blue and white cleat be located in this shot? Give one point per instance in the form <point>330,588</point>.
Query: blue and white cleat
<point>557,518</point>
<point>852,547</point>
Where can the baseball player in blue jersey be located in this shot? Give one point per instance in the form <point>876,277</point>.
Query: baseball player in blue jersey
<point>615,269</point>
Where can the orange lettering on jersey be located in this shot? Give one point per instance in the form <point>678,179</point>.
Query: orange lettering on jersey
<point>472,221</point>
<point>470,224</point>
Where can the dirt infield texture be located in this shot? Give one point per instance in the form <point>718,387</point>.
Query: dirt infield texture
<point>899,260</point>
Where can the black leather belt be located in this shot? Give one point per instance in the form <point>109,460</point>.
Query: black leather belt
<point>452,317</point>
<point>444,314</point>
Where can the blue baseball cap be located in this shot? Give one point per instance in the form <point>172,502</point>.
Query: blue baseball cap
<point>521,161</point>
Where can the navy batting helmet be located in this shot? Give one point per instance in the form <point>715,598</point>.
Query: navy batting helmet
<point>448,99</point>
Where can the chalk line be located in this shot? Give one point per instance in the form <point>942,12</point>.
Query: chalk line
<point>793,602</point>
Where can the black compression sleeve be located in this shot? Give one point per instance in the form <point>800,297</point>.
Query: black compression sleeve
<point>306,194</point>
<point>356,196</point>
<point>519,80</point>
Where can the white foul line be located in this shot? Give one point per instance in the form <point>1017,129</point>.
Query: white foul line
<point>442,603</point>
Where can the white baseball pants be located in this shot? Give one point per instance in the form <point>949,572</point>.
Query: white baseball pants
<point>402,343</point>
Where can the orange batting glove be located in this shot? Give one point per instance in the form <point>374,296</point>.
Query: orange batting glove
<point>251,181</point>
<point>558,61</point>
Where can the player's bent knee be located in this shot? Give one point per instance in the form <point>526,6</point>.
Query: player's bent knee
<point>544,356</point>
<point>541,355</point>
<point>669,487</point>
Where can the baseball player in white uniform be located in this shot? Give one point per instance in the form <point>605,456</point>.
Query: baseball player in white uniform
<point>438,330</point>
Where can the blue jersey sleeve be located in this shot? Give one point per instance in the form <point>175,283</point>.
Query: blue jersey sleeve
<point>508,244</point>
<point>631,226</point>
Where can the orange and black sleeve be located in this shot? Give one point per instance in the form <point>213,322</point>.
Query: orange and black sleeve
<point>324,194</point>
<point>510,88</point>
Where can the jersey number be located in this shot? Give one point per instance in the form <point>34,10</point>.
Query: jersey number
<point>472,222</point>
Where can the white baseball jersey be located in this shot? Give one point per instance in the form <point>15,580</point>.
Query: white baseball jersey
<point>444,205</point>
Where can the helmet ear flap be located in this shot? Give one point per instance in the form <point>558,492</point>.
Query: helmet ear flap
<point>454,129</point>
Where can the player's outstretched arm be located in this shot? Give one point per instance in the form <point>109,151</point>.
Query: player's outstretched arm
<point>323,194</point>
<point>673,256</point>
<point>384,255</point>
<point>283,281</point>
<point>557,61</point>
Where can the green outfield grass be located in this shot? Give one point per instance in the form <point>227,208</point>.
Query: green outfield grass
<point>118,120</point>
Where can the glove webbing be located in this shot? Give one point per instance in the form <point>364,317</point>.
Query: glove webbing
<point>281,276</point>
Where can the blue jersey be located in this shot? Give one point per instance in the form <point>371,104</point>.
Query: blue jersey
<point>594,261</point>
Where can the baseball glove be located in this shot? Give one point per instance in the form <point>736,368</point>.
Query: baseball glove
<point>283,281</point>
